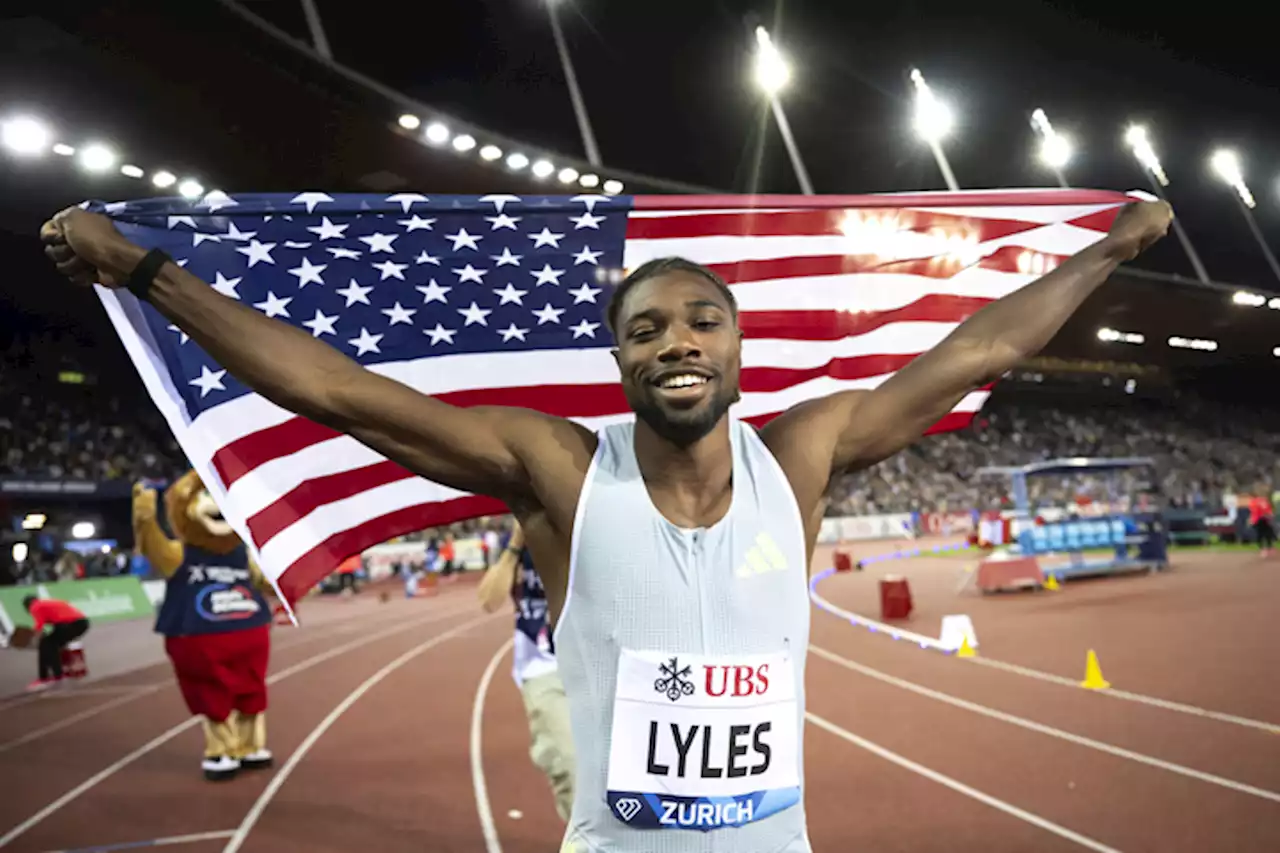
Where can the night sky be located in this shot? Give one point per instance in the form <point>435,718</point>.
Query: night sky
<point>668,92</point>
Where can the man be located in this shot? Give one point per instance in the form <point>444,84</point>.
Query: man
<point>674,549</point>
<point>534,667</point>
<point>66,625</point>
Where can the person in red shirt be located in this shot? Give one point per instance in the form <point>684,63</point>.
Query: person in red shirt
<point>66,624</point>
<point>1262,518</point>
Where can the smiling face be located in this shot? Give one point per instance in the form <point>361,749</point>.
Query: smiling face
<point>679,353</point>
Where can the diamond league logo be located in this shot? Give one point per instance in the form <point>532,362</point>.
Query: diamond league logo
<point>674,681</point>
<point>628,807</point>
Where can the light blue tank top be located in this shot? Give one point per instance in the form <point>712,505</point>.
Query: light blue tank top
<point>682,654</point>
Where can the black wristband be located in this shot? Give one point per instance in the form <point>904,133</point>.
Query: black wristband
<point>145,272</point>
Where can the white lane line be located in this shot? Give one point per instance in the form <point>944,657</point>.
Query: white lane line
<point>278,779</point>
<point>1115,693</point>
<point>1041,728</point>
<point>960,787</point>
<point>487,826</point>
<point>168,840</point>
<point>1125,695</point>
<point>109,771</point>
<point>35,734</point>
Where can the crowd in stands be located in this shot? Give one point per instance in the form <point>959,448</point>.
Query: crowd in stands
<point>1201,451</point>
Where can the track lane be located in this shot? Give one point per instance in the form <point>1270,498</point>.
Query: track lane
<point>1126,805</point>
<point>392,774</point>
<point>154,795</point>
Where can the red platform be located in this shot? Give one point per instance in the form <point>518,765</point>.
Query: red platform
<point>844,562</point>
<point>1018,573</point>
<point>895,598</point>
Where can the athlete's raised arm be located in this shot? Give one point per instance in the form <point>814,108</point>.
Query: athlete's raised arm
<point>854,429</point>
<point>481,450</point>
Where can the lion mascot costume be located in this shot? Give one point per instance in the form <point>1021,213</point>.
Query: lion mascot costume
<point>215,620</point>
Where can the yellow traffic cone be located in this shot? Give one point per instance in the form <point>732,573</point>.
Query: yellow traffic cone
<point>965,650</point>
<point>1093,679</point>
<point>1052,583</point>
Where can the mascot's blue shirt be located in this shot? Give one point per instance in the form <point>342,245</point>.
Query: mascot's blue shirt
<point>211,594</point>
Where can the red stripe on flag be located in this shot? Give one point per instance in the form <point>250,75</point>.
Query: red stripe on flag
<point>941,266</point>
<point>313,566</point>
<point>836,325</point>
<point>314,493</point>
<point>1100,221</point>
<point>995,198</point>
<point>237,458</point>
<point>809,223</point>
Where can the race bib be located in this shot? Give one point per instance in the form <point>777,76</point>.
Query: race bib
<point>703,742</point>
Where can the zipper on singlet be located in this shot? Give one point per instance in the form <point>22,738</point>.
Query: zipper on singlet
<point>695,561</point>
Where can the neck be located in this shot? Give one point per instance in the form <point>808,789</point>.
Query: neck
<point>701,469</point>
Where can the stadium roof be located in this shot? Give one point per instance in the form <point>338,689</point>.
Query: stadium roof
<point>204,89</point>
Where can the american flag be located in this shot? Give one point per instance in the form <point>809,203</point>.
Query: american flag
<point>499,299</point>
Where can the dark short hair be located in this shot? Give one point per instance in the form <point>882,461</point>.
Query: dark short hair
<point>28,601</point>
<point>655,268</point>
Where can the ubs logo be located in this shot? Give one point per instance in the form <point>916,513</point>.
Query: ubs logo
<point>762,558</point>
<point>674,680</point>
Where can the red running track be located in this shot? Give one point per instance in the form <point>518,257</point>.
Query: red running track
<point>909,750</point>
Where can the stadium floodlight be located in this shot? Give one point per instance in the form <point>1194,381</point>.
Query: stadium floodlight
<point>568,175</point>
<point>1137,140</point>
<point>1193,343</point>
<point>190,189</point>
<point>517,161</point>
<point>772,71</point>
<point>933,121</point>
<point>1276,352</point>
<point>490,152</point>
<point>1274,303</point>
<point>409,121</point>
<point>34,521</point>
<point>97,158</point>
<point>20,551</point>
<point>1226,164</point>
<point>589,181</point>
<point>25,136</point>
<point>464,142</point>
<point>83,530</point>
<point>63,150</point>
<point>542,168</point>
<point>1244,297</point>
<point>164,179</point>
<point>613,187</point>
<point>437,133</point>
<point>1055,149</point>
<point>131,171</point>
<point>1114,336</point>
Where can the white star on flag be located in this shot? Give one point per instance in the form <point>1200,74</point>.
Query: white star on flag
<point>475,314</point>
<point>545,237</point>
<point>440,333</point>
<point>311,199</point>
<point>326,230</point>
<point>256,252</point>
<point>470,273</point>
<point>416,223</point>
<point>366,342</point>
<point>380,242</point>
<point>209,380</point>
<point>390,269</point>
<point>586,293</point>
<point>585,329</point>
<point>547,275</point>
<point>274,306</point>
<point>433,292</point>
<point>321,325</point>
<point>355,293</point>
<point>510,294</point>
<point>548,314</point>
<point>308,273</point>
<point>400,314</point>
<point>462,238</point>
<point>226,286</point>
<point>502,220</point>
<point>507,258</point>
<point>512,332</point>
<point>407,200</point>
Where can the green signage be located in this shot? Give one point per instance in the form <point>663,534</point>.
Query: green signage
<point>100,599</point>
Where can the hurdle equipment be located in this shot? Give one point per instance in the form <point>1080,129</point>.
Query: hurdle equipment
<point>74,664</point>
<point>1052,583</point>
<point>1093,679</point>
<point>895,597</point>
<point>966,650</point>
<point>844,561</point>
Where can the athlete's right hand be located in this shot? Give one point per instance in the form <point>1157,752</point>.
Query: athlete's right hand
<point>87,248</point>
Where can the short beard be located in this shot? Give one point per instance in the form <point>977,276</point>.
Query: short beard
<point>688,427</point>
